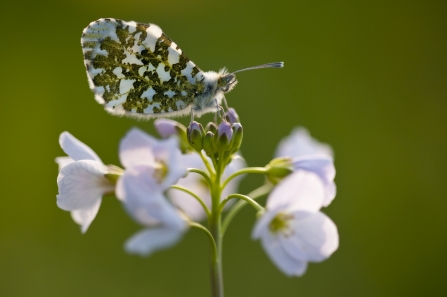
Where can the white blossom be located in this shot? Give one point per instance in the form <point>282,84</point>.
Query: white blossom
<point>81,180</point>
<point>309,154</point>
<point>152,166</point>
<point>292,230</point>
<point>300,143</point>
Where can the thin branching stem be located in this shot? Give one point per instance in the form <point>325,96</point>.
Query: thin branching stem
<point>257,170</point>
<point>186,190</point>
<point>202,173</point>
<point>255,194</point>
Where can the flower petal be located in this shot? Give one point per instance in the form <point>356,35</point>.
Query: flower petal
<point>63,161</point>
<point>301,190</point>
<point>288,265</point>
<point>81,184</point>
<point>167,152</point>
<point>323,166</point>
<point>136,149</point>
<point>300,143</point>
<point>313,235</point>
<point>85,217</point>
<point>144,201</point>
<point>148,241</point>
<point>76,149</point>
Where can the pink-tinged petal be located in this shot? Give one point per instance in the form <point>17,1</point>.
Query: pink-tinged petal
<point>63,161</point>
<point>300,143</point>
<point>166,127</point>
<point>81,184</point>
<point>76,149</point>
<point>301,190</point>
<point>136,149</point>
<point>288,265</point>
<point>148,241</point>
<point>146,202</point>
<point>85,217</point>
<point>323,166</point>
<point>313,235</point>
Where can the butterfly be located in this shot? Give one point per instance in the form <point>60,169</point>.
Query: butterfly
<point>135,70</point>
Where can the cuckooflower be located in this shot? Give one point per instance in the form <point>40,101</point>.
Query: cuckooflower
<point>150,208</point>
<point>300,143</point>
<point>309,154</point>
<point>198,185</point>
<point>152,166</point>
<point>292,230</point>
<point>81,180</point>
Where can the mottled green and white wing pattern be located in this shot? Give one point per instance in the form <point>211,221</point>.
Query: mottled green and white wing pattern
<point>135,69</point>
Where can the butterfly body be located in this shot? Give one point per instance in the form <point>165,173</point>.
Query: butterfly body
<point>135,70</point>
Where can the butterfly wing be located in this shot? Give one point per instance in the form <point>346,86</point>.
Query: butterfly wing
<point>135,69</point>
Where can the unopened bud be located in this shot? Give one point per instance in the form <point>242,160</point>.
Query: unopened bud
<point>279,168</point>
<point>223,136</point>
<point>195,133</point>
<point>237,137</point>
<point>208,144</point>
<point>211,127</point>
<point>167,128</point>
<point>232,116</point>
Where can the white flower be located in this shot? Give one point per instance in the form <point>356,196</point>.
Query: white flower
<point>197,184</point>
<point>292,230</point>
<point>160,159</point>
<point>300,143</point>
<point>150,208</point>
<point>152,166</point>
<point>309,154</point>
<point>81,180</point>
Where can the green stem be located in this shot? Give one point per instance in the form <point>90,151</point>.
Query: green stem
<point>202,173</point>
<point>177,187</point>
<point>258,170</point>
<point>210,237</point>
<point>241,197</point>
<point>207,164</point>
<point>215,228</point>
<point>255,194</point>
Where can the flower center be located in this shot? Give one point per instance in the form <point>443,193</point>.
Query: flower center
<point>280,222</point>
<point>160,171</point>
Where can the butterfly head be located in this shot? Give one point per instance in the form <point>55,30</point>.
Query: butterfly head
<point>227,81</point>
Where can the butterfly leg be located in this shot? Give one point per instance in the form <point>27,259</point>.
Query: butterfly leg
<point>192,115</point>
<point>224,100</point>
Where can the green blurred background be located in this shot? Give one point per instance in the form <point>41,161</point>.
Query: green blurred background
<point>367,77</point>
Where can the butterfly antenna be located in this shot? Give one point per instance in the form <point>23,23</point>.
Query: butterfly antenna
<point>268,65</point>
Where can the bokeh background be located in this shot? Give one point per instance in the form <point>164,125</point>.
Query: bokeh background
<point>367,77</point>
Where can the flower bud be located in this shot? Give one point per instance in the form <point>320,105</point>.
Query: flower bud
<point>232,116</point>
<point>223,136</point>
<point>208,144</point>
<point>211,127</point>
<point>237,137</point>
<point>195,133</point>
<point>167,128</point>
<point>279,168</point>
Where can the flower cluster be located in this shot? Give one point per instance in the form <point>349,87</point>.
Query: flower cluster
<point>191,175</point>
